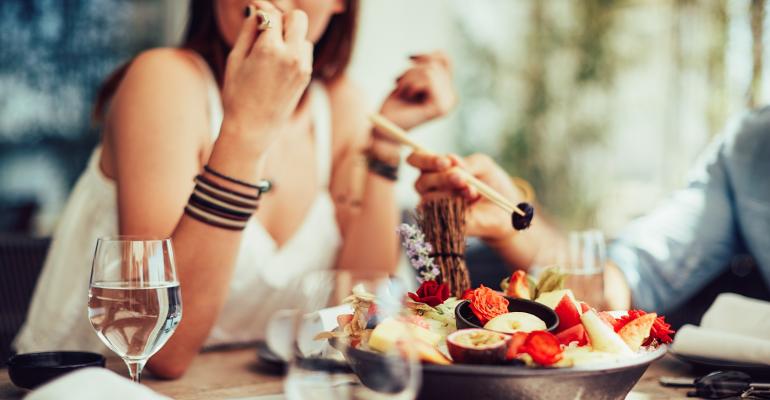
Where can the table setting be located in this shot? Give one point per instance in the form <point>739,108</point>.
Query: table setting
<point>356,334</point>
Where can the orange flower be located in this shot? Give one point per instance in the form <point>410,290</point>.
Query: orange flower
<point>486,303</point>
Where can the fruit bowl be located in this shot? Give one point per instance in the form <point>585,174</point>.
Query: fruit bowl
<point>498,382</point>
<point>596,382</point>
<point>466,320</point>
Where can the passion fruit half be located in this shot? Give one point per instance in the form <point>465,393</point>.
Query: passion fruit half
<point>477,346</point>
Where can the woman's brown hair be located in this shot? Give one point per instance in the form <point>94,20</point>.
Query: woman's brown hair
<point>331,54</point>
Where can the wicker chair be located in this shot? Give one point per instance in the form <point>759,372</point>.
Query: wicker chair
<point>21,259</point>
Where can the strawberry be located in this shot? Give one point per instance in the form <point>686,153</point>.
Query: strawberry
<point>515,345</point>
<point>543,347</point>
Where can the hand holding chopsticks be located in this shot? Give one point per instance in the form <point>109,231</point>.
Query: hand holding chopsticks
<point>521,214</point>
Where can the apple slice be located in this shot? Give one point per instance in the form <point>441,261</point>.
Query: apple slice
<point>551,299</point>
<point>634,332</point>
<point>515,322</point>
<point>390,331</point>
<point>569,314</point>
<point>603,338</point>
<point>428,353</point>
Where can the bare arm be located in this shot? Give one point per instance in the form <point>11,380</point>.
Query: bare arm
<point>422,93</point>
<point>368,227</point>
<point>156,136</point>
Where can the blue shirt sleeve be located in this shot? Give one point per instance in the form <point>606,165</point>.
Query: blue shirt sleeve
<point>672,252</point>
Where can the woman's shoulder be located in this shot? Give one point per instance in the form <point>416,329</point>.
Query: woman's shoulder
<point>168,60</point>
<point>164,72</point>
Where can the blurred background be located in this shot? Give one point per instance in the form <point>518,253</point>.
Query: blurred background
<point>601,104</point>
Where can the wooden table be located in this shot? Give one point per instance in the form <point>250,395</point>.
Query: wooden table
<point>235,374</point>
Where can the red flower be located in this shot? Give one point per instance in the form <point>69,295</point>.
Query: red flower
<point>431,293</point>
<point>661,331</point>
<point>486,303</point>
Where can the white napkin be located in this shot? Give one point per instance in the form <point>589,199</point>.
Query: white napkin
<point>738,314</point>
<point>93,384</point>
<point>735,328</point>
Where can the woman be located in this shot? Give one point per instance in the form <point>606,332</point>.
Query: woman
<point>235,101</point>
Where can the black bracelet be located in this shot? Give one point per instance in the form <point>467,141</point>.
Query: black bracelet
<point>208,221</point>
<point>383,169</point>
<point>263,186</point>
<point>219,210</point>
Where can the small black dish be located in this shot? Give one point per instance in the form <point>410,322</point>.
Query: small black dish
<point>465,319</point>
<point>705,365</point>
<point>31,370</point>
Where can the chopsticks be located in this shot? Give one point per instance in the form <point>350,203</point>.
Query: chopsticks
<point>398,134</point>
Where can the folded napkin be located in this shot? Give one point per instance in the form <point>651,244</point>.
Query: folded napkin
<point>93,384</point>
<point>735,328</point>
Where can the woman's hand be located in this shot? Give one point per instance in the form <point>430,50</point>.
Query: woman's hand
<point>267,72</point>
<point>422,93</point>
<point>439,177</point>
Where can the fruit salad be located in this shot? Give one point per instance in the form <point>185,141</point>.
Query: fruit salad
<point>582,336</point>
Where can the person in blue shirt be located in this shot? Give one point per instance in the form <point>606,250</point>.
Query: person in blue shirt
<point>663,258</point>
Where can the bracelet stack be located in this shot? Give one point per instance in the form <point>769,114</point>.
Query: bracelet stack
<point>216,205</point>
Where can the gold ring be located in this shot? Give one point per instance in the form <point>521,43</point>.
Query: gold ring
<point>264,21</point>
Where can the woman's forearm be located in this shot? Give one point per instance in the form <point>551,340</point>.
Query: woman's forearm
<point>370,236</point>
<point>205,259</point>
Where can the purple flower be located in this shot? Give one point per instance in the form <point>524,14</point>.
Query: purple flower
<point>418,252</point>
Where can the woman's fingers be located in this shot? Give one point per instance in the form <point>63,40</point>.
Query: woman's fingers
<point>248,34</point>
<point>429,162</point>
<point>295,27</point>
<point>438,57</point>
<point>449,180</point>
<point>273,33</point>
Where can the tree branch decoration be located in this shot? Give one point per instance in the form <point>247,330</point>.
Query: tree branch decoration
<point>443,223</point>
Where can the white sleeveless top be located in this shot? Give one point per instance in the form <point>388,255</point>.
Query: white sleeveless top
<point>57,318</point>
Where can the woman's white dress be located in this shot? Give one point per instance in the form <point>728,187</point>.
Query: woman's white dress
<point>57,318</point>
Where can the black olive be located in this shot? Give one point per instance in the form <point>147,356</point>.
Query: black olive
<point>520,222</point>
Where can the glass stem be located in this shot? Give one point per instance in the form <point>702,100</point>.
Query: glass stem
<point>135,369</point>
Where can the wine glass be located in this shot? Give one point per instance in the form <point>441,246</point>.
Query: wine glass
<point>331,353</point>
<point>584,263</point>
<point>134,301</point>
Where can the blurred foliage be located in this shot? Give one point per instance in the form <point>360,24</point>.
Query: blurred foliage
<point>555,103</point>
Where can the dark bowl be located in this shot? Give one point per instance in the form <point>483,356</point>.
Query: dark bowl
<point>31,370</point>
<point>465,319</point>
<point>608,381</point>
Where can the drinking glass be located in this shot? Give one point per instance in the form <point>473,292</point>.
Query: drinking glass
<point>346,367</point>
<point>134,301</point>
<point>586,256</point>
